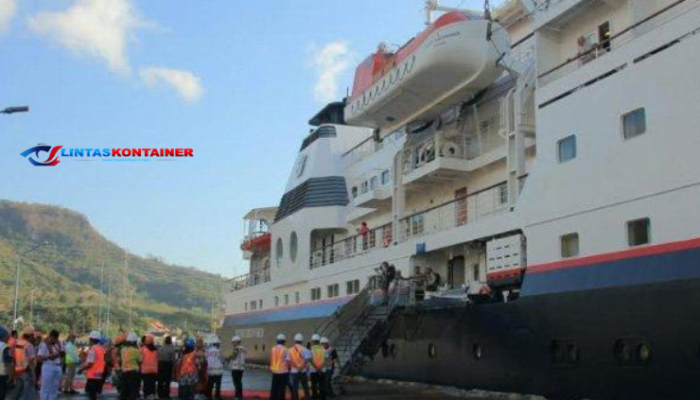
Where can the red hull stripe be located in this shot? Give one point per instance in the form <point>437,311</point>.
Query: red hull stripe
<point>616,256</point>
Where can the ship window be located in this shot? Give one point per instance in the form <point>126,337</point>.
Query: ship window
<point>569,245</point>
<point>277,301</point>
<point>353,191</point>
<point>286,299</point>
<point>253,305</point>
<point>374,182</point>
<point>566,148</point>
<point>353,287</point>
<point>503,194</point>
<point>279,252</point>
<point>638,232</point>
<point>333,290</point>
<point>365,187</point>
<point>246,306</point>
<point>297,297</point>
<point>634,123</point>
<point>315,294</point>
<point>293,247</point>
<point>385,177</point>
<point>260,303</point>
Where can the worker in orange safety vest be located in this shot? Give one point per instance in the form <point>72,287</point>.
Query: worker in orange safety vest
<point>94,365</point>
<point>279,366</point>
<point>149,367</point>
<point>318,371</point>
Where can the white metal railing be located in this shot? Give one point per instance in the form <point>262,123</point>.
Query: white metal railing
<point>248,280</point>
<point>377,238</point>
<point>455,213</point>
<point>428,150</point>
<point>369,146</point>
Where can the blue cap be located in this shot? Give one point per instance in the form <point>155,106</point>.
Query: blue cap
<point>189,343</point>
<point>3,333</point>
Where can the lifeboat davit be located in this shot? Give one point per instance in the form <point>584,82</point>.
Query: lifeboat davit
<point>452,59</point>
<point>260,243</point>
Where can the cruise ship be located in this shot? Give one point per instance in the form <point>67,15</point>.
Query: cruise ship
<point>531,173</point>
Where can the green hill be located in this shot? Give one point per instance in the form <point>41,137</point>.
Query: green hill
<point>66,274</point>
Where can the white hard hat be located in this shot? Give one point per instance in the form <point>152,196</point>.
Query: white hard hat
<point>216,340</point>
<point>132,337</point>
<point>325,340</point>
<point>95,335</point>
<point>281,337</point>
<point>236,338</point>
<point>315,337</point>
<point>298,337</point>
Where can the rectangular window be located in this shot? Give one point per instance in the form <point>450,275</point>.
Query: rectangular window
<point>503,194</point>
<point>297,297</point>
<point>374,182</point>
<point>315,294</point>
<point>253,305</point>
<point>639,232</point>
<point>385,177</point>
<point>333,290</point>
<point>260,304</point>
<point>569,245</point>
<point>246,306</point>
<point>352,287</point>
<point>566,148</point>
<point>277,301</point>
<point>634,123</point>
<point>286,299</point>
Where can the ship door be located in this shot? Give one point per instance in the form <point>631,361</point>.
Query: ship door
<point>455,272</point>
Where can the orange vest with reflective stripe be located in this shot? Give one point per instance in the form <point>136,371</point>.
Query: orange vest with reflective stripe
<point>149,365</point>
<point>98,366</point>
<point>21,362</point>
<point>278,362</point>
<point>319,357</point>
<point>188,366</point>
<point>296,356</point>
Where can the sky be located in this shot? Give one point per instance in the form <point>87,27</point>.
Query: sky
<point>234,80</point>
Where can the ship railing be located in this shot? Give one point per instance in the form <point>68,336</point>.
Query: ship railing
<point>589,52</point>
<point>455,213</point>
<point>428,150</point>
<point>352,246</point>
<point>249,280</point>
<point>370,146</point>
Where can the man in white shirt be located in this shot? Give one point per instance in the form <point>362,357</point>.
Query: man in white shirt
<point>49,354</point>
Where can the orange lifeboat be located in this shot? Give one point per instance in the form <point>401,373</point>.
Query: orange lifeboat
<point>260,243</point>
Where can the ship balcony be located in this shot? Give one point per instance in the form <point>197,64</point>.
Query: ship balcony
<point>254,278</point>
<point>353,246</point>
<point>436,162</point>
<point>378,197</point>
<point>551,11</point>
<point>456,213</point>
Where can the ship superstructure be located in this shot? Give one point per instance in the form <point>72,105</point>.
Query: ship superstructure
<point>539,161</point>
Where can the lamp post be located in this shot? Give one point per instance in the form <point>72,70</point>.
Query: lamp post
<point>14,110</point>
<point>19,258</point>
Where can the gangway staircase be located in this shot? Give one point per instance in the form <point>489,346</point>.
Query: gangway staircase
<point>359,328</point>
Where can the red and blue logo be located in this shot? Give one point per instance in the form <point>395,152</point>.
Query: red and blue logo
<point>34,155</point>
<point>52,159</point>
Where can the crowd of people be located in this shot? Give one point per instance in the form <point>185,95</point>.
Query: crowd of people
<point>299,365</point>
<point>33,365</point>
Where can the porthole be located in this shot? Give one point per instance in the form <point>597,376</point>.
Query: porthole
<point>644,352</point>
<point>477,352</point>
<point>279,252</point>
<point>431,351</point>
<point>293,247</point>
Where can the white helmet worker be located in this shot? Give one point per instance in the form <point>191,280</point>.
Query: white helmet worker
<point>236,338</point>
<point>281,338</point>
<point>216,340</point>
<point>316,337</point>
<point>299,338</point>
<point>132,337</point>
<point>95,335</point>
<point>324,340</point>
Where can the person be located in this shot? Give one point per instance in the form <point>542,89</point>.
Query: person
<point>71,361</point>
<point>237,364</point>
<point>187,371</point>
<point>166,362</point>
<point>200,389</point>
<point>119,341</point>
<point>215,369</point>
<point>331,361</point>
<point>130,360</point>
<point>108,347</point>
<point>24,365</point>
<point>149,367</point>
<point>94,366</point>
<point>279,366</point>
<point>363,231</point>
<point>432,280</point>
<point>299,358</point>
<point>49,354</point>
<point>318,374</point>
<point>5,362</point>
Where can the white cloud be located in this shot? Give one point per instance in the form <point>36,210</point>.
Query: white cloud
<point>330,62</point>
<point>186,84</point>
<point>98,28</point>
<point>7,11</point>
